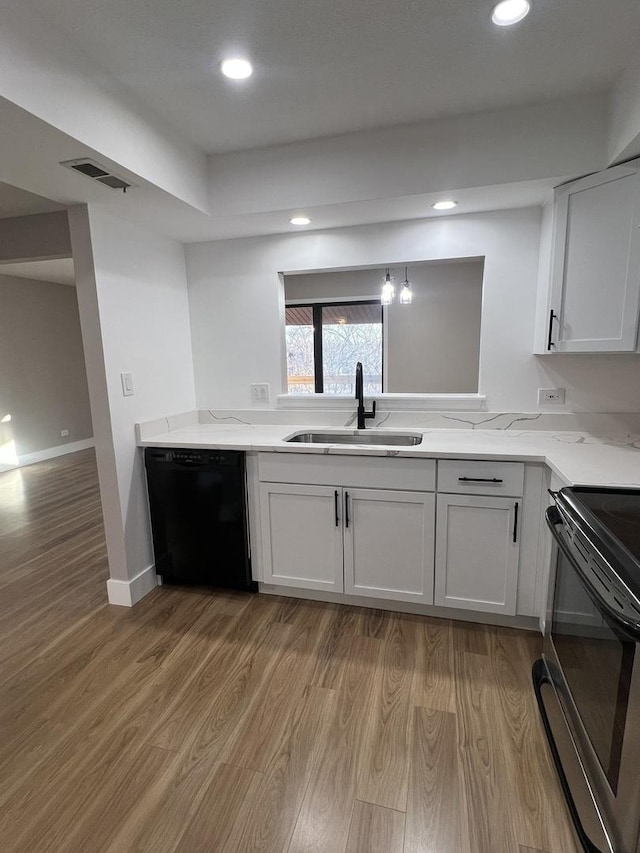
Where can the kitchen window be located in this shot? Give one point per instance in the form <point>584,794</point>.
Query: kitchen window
<point>325,340</point>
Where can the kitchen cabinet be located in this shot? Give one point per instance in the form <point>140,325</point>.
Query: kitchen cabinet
<point>371,542</point>
<point>478,532</point>
<point>357,525</point>
<point>594,291</point>
<point>375,528</point>
<point>302,541</point>
<point>388,544</point>
<point>477,553</point>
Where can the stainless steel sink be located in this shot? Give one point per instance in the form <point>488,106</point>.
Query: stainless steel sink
<point>361,437</point>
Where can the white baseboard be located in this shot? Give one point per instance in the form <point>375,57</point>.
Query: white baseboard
<point>52,452</point>
<point>128,593</point>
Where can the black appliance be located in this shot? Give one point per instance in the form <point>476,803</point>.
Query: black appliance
<point>197,500</point>
<point>588,680</point>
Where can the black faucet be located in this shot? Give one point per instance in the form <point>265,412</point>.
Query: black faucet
<point>363,415</point>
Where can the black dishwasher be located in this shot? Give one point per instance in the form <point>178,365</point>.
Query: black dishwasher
<point>198,517</point>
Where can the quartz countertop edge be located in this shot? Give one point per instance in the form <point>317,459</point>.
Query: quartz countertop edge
<point>577,458</point>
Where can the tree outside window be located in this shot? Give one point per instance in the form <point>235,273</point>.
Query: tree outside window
<point>347,333</point>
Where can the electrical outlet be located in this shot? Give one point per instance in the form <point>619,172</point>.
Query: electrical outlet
<point>551,395</point>
<point>64,433</point>
<point>260,392</point>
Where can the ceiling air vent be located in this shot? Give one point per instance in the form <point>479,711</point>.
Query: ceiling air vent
<point>98,173</point>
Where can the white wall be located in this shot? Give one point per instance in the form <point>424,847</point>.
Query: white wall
<point>551,140</point>
<point>43,383</point>
<point>134,313</point>
<point>624,117</point>
<point>235,297</point>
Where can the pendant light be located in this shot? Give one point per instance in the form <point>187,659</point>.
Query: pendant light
<point>387,289</point>
<point>406,294</point>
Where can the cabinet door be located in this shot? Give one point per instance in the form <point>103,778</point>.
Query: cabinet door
<point>476,555</point>
<point>389,544</point>
<point>302,536</point>
<point>596,263</point>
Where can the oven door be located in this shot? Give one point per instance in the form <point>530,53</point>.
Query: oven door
<point>592,664</point>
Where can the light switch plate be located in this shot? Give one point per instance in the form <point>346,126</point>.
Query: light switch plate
<point>127,384</point>
<point>551,395</point>
<point>260,392</point>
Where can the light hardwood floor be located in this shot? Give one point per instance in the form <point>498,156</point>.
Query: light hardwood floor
<point>230,723</point>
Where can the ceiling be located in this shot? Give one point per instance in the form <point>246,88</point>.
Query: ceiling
<point>325,67</point>
<point>58,271</point>
<point>17,202</point>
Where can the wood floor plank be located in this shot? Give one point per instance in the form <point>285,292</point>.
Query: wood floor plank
<point>384,768</point>
<point>267,819</point>
<point>375,829</point>
<point>258,736</point>
<point>434,683</point>
<point>471,637</point>
<point>482,754</point>
<point>437,806</point>
<point>212,706</point>
<point>214,819</point>
<point>94,827</point>
<point>330,658</point>
<point>325,815</point>
<point>163,812</point>
<point>375,623</point>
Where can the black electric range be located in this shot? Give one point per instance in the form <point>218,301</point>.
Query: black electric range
<point>588,681</point>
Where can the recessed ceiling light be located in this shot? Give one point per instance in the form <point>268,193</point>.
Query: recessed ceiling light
<point>510,12</point>
<point>237,69</point>
<point>300,220</point>
<point>444,205</point>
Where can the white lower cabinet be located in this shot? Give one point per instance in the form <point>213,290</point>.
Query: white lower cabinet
<point>378,528</point>
<point>369,542</point>
<point>389,544</point>
<point>477,553</point>
<point>302,536</point>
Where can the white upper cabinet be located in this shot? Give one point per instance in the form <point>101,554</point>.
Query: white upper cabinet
<point>594,292</point>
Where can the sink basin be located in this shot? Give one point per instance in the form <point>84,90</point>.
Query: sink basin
<point>361,437</point>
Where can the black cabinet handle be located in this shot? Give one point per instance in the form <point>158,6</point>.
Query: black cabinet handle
<point>552,316</point>
<point>479,480</point>
<point>336,508</point>
<point>346,509</point>
<point>515,522</point>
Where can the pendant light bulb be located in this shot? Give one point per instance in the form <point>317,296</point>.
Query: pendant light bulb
<point>406,294</point>
<point>388,289</point>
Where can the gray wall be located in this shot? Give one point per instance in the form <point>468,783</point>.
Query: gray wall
<point>434,343</point>
<point>43,383</point>
<point>42,235</point>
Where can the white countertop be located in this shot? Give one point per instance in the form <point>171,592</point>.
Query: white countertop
<point>577,458</point>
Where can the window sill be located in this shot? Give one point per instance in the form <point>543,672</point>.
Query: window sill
<point>387,402</point>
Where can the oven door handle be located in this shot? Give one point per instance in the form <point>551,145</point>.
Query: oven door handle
<point>606,603</point>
